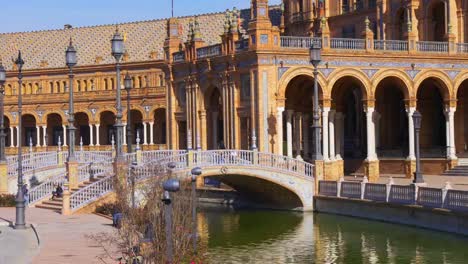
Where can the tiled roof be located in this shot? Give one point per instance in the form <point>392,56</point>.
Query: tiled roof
<point>46,49</point>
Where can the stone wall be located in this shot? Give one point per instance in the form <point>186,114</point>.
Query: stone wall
<point>436,219</point>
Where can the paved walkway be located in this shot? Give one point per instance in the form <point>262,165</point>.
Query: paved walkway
<point>436,181</point>
<point>63,239</point>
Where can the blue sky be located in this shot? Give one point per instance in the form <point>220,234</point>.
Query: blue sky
<point>28,15</point>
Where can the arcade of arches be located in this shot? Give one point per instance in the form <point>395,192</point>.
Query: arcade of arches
<point>358,130</point>
<point>52,130</point>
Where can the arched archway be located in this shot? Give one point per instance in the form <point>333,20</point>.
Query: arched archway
<point>29,130</point>
<point>436,21</point>
<point>107,130</point>
<point>136,125</point>
<point>461,121</point>
<point>214,109</point>
<point>430,103</point>
<point>82,128</point>
<point>297,133</point>
<point>160,126</point>
<point>348,94</point>
<point>54,129</point>
<point>391,118</point>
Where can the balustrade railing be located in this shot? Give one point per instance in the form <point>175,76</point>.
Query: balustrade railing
<point>328,188</point>
<point>430,197</point>
<point>91,193</point>
<point>432,46</point>
<point>45,189</point>
<point>299,42</point>
<point>33,162</point>
<point>455,200</point>
<point>94,156</point>
<point>209,51</point>
<point>462,47</point>
<point>347,43</point>
<point>351,190</point>
<point>178,56</point>
<point>375,192</point>
<point>391,45</point>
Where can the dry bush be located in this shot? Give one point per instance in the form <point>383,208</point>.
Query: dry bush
<point>144,225</point>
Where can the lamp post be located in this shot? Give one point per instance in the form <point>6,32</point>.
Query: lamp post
<point>128,87</point>
<point>20,212</point>
<point>418,177</point>
<point>2,110</point>
<point>197,171</point>
<point>132,181</point>
<point>171,185</point>
<point>315,54</point>
<point>70,58</point>
<point>117,52</point>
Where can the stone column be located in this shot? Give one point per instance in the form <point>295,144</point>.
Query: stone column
<point>214,117</point>
<point>91,135</point>
<point>289,114</point>
<point>326,156</point>
<point>279,129</point>
<point>124,134</point>
<point>64,136</point>
<point>97,134</point>
<point>12,137</point>
<point>447,134</point>
<point>411,154</point>
<point>44,131</point>
<point>145,134</point>
<point>331,128</point>
<point>297,134</point>
<point>339,135</point>
<point>371,154</point>
<point>17,137</point>
<point>305,134</point>
<point>377,128</point>
<point>451,114</point>
<point>151,126</point>
<point>38,136</point>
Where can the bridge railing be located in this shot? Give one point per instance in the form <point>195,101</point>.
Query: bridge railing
<point>91,192</point>
<point>32,162</point>
<point>45,189</point>
<point>455,200</point>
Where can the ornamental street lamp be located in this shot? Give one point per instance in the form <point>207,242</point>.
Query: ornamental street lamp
<point>2,110</point>
<point>197,171</point>
<point>20,212</point>
<point>171,185</point>
<point>128,87</point>
<point>418,177</point>
<point>315,54</point>
<point>71,60</point>
<point>117,52</point>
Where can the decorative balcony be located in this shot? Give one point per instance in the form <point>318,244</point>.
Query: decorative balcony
<point>391,45</point>
<point>209,51</point>
<point>178,56</point>
<point>432,46</point>
<point>299,42</point>
<point>348,44</point>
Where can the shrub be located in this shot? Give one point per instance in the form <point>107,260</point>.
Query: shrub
<point>106,209</point>
<point>7,200</point>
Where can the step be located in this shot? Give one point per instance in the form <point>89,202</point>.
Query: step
<point>53,203</point>
<point>49,207</point>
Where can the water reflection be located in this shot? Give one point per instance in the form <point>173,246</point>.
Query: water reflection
<point>287,237</point>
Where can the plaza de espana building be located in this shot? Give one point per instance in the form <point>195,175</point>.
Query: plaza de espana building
<point>240,78</point>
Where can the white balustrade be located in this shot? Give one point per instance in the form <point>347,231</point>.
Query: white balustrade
<point>391,45</point>
<point>299,42</point>
<point>91,192</point>
<point>46,188</point>
<point>462,47</point>
<point>347,43</point>
<point>432,46</point>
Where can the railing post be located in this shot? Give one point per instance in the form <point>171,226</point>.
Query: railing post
<point>189,158</point>
<point>445,190</point>
<point>325,35</point>
<point>452,46</point>
<point>389,187</point>
<point>338,186</point>
<point>368,36</point>
<point>3,177</point>
<point>412,43</point>
<point>363,186</point>
<point>60,161</point>
<point>66,210</point>
<point>255,156</point>
<point>72,172</point>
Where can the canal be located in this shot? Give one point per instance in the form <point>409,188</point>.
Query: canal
<point>245,236</point>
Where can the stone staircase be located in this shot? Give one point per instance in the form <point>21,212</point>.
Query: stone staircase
<point>460,170</point>
<point>56,204</point>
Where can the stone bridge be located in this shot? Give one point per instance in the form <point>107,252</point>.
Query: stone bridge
<point>262,178</point>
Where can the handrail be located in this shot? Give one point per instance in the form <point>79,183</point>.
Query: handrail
<point>209,51</point>
<point>299,42</point>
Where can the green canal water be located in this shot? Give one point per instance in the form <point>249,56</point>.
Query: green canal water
<point>287,237</point>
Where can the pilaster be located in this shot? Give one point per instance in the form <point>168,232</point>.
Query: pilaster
<point>371,170</point>
<point>72,171</point>
<point>318,173</point>
<point>3,177</point>
<point>66,210</point>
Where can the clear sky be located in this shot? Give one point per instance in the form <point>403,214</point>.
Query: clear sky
<point>28,15</point>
